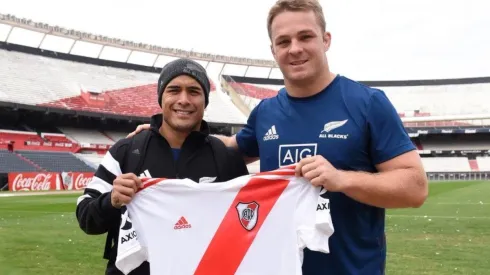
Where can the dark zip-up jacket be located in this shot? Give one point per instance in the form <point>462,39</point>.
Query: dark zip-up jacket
<point>94,211</point>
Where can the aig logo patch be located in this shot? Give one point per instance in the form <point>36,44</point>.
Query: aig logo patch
<point>293,153</point>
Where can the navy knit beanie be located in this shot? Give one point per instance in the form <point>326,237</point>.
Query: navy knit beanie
<point>179,67</point>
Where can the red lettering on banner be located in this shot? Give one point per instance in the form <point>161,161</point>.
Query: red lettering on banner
<point>82,181</point>
<point>34,181</point>
<point>76,180</point>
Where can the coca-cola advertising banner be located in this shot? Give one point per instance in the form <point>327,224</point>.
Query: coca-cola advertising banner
<point>34,181</point>
<point>47,181</point>
<point>76,180</point>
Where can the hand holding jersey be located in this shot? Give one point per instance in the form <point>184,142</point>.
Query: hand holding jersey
<point>320,172</point>
<point>224,228</point>
<point>125,187</point>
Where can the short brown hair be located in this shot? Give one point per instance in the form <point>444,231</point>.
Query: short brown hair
<point>296,5</point>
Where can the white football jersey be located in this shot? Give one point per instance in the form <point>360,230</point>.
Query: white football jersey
<point>254,224</point>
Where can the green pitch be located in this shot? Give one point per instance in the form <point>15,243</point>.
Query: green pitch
<point>450,234</point>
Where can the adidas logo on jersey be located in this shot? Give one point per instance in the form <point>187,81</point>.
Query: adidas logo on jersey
<point>182,223</point>
<point>271,134</point>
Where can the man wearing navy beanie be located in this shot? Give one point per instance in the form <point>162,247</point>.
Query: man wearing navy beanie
<point>178,145</point>
<point>180,67</point>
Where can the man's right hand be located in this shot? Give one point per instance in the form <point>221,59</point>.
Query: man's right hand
<point>125,187</point>
<point>139,128</point>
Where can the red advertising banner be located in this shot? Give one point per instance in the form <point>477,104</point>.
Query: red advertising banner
<point>76,180</point>
<point>34,181</point>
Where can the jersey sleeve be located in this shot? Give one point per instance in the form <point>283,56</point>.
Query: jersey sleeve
<point>131,249</point>
<point>246,138</point>
<point>387,133</point>
<point>313,220</point>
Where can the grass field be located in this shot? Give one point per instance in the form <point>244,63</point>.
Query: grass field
<point>450,234</point>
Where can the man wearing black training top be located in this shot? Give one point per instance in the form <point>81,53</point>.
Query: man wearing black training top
<point>177,145</point>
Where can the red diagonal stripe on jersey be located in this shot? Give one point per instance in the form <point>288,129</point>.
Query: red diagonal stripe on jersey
<point>285,172</point>
<point>231,241</point>
<point>184,220</point>
<point>147,182</point>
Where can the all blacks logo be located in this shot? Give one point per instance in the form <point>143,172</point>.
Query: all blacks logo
<point>248,214</point>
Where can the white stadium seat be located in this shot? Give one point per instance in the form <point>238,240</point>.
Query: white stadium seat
<point>446,164</point>
<point>483,163</point>
<point>33,79</point>
<point>116,135</point>
<point>442,99</point>
<point>452,144</point>
<point>91,159</point>
<point>86,136</point>
<point>36,80</point>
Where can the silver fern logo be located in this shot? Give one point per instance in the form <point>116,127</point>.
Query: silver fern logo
<point>332,126</point>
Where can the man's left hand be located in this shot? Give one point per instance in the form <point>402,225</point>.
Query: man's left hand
<point>320,172</point>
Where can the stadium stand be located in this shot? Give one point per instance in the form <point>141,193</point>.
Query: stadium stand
<point>446,164</point>
<point>455,143</point>
<point>441,99</point>
<point>410,101</point>
<point>142,101</point>
<point>19,136</point>
<point>55,137</point>
<point>418,144</point>
<point>93,160</point>
<point>86,87</point>
<point>254,91</point>
<point>115,136</point>
<point>483,163</point>
<point>78,106</point>
<point>56,161</point>
<point>423,98</point>
<point>11,162</point>
<point>33,79</point>
<point>474,165</point>
<point>88,136</point>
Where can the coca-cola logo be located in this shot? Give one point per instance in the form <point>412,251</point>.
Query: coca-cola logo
<point>81,181</point>
<point>40,182</point>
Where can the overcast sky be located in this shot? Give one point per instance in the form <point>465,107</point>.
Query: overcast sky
<point>372,39</point>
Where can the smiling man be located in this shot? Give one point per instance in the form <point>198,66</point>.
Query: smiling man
<point>176,145</point>
<point>345,136</point>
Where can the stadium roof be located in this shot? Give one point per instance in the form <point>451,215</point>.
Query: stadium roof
<point>23,31</point>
